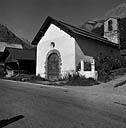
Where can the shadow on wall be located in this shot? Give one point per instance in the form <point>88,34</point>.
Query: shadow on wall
<point>6,122</point>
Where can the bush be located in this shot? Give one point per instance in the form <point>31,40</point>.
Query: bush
<point>77,80</point>
<point>104,66</point>
<point>73,77</point>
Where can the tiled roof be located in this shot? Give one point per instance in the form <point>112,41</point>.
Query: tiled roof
<point>68,29</point>
<point>22,54</point>
<point>19,54</point>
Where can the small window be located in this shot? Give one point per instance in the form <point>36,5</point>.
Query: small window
<point>110,28</point>
<point>52,45</point>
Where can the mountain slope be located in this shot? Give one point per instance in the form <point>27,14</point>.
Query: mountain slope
<point>97,24</point>
<point>10,38</point>
<point>118,12</point>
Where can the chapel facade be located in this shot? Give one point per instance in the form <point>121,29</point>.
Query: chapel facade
<point>61,47</point>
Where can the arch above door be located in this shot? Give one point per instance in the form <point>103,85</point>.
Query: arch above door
<point>53,65</point>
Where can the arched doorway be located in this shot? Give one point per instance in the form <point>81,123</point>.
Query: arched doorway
<point>53,70</point>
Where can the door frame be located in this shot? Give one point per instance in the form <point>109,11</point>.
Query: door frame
<point>46,62</point>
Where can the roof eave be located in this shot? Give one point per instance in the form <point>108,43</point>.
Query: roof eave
<point>62,26</point>
<point>42,30</point>
<point>46,25</point>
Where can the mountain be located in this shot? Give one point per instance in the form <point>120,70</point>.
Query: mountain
<point>10,38</point>
<point>118,12</point>
<point>96,25</point>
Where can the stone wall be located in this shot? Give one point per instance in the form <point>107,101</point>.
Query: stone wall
<point>112,35</point>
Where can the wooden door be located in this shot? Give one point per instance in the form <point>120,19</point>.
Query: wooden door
<point>53,67</point>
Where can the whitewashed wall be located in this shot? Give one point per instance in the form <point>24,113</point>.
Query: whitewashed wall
<point>64,43</point>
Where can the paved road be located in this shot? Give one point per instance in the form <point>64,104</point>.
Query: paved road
<point>24,105</point>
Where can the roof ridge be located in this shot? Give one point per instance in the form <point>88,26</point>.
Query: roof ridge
<point>87,32</point>
<point>63,25</point>
<point>79,28</point>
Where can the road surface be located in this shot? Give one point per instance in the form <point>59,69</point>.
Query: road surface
<point>24,105</point>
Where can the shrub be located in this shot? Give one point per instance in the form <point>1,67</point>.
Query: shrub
<point>77,80</point>
<point>104,66</point>
<point>73,76</point>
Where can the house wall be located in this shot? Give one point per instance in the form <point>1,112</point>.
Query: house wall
<point>63,43</point>
<point>94,48</point>
<point>27,65</point>
<point>79,55</point>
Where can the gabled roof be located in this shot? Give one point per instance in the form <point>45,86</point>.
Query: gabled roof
<point>18,54</point>
<point>71,30</point>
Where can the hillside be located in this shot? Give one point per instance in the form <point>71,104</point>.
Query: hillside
<point>10,38</point>
<point>96,25</point>
<point>118,12</point>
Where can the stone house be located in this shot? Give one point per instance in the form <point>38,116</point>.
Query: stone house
<point>61,47</point>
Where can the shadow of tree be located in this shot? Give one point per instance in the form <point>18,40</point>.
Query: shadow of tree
<point>5,122</point>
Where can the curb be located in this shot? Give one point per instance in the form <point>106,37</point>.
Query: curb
<point>34,84</point>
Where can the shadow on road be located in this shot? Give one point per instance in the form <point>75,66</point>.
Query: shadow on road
<point>5,122</point>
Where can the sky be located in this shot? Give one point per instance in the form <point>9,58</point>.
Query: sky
<point>25,17</point>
